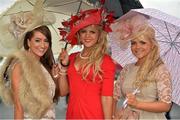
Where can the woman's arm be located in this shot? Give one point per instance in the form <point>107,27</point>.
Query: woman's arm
<point>114,108</point>
<point>63,82</point>
<point>18,110</point>
<point>107,102</point>
<point>157,106</point>
<point>154,106</point>
<point>108,68</point>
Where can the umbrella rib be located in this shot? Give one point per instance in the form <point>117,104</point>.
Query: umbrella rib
<point>167,41</point>
<point>174,43</point>
<point>164,41</point>
<point>167,51</point>
<point>159,32</point>
<point>57,12</point>
<point>177,49</point>
<point>15,13</point>
<point>177,44</point>
<point>168,31</point>
<point>57,5</point>
<point>178,35</point>
<point>30,2</point>
<point>44,2</point>
<point>79,7</point>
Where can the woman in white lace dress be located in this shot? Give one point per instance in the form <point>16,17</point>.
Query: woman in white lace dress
<point>149,74</point>
<point>30,75</point>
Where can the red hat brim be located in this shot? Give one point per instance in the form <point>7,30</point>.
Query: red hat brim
<point>92,19</point>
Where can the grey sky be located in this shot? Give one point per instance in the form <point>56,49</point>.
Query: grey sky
<point>4,4</point>
<point>168,6</point>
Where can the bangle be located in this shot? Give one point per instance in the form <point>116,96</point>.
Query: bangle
<point>62,73</point>
<point>62,70</point>
<point>56,76</point>
<point>65,65</point>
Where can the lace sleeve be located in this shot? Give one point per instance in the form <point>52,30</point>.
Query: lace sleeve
<point>164,84</point>
<point>117,87</point>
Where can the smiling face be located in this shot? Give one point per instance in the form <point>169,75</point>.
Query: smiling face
<point>38,44</point>
<point>141,47</point>
<point>89,35</point>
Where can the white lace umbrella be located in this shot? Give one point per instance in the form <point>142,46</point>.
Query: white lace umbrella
<point>19,18</point>
<point>167,30</point>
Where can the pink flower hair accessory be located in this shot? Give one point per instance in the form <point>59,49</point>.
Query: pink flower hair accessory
<point>125,29</point>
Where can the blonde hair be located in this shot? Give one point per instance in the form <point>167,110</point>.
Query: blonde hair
<point>96,54</point>
<point>146,71</point>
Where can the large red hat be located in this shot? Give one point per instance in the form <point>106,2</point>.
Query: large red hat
<point>83,19</point>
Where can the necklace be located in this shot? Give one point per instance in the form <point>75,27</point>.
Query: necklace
<point>80,55</point>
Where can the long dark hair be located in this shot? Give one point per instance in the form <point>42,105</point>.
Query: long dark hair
<point>47,59</point>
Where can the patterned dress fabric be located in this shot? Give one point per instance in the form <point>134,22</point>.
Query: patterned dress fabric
<point>157,90</point>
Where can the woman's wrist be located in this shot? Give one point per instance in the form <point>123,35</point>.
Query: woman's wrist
<point>63,70</point>
<point>62,73</point>
<point>64,65</point>
<point>137,105</point>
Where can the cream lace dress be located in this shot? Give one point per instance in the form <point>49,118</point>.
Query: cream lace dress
<point>159,90</point>
<point>50,115</point>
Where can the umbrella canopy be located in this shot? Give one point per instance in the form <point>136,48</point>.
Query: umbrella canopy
<point>127,5</point>
<point>119,7</point>
<point>67,7</point>
<point>167,30</point>
<point>23,15</point>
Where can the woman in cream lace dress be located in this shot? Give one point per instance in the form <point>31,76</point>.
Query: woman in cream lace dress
<point>150,75</point>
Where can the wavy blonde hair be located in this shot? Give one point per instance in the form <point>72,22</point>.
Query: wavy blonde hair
<point>96,54</point>
<point>147,70</point>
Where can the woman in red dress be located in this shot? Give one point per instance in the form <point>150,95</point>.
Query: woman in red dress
<point>88,76</point>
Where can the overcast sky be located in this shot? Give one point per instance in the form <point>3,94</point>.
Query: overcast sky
<point>4,4</point>
<point>168,6</point>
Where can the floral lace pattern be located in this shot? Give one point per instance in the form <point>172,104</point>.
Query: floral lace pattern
<point>163,81</point>
<point>163,84</point>
<point>118,84</point>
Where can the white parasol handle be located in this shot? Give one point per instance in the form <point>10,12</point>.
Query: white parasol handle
<point>134,93</point>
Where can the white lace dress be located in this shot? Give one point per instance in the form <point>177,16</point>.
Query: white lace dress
<point>50,115</point>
